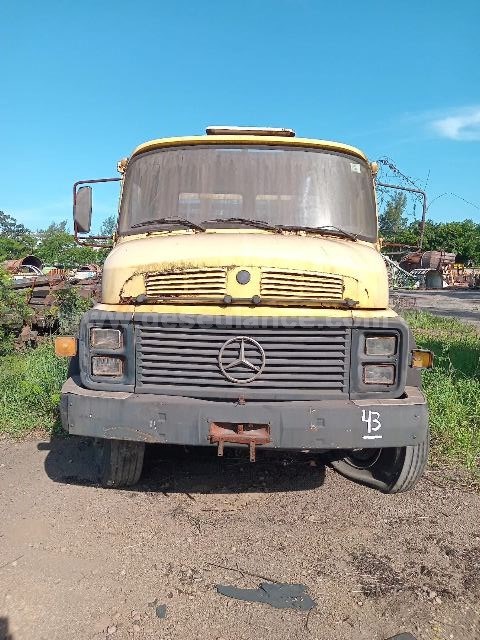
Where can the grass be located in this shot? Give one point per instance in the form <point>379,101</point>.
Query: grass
<point>30,384</point>
<point>452,387</point>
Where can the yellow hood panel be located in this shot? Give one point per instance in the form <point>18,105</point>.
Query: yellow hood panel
<point>361,266</point>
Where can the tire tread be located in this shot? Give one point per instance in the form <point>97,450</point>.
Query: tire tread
<point>415,462</point>
<point>122,463</point>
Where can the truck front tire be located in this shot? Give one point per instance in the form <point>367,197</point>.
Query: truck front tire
<point>390,470</point>
<point>119,462</point>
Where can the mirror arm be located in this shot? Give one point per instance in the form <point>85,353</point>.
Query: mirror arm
<point>103,242</point>
<point>75,186</point>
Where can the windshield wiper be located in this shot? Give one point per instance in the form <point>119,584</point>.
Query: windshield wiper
<point>336,231</point>
<point>258,224</point>
<point>181,221</point>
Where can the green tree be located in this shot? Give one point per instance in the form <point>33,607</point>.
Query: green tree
<point>58,248</point>
<point>393,220</point>
<point>10,227</point>
<point>462,238</point>
<point>16,241</point>
<point>108,226</point>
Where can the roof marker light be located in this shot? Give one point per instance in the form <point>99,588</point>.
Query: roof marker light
<point>218,130</point>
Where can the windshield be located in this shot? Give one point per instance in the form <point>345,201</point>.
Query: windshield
<point>206,185</point>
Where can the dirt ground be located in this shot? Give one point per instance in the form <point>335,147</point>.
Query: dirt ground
<point>78,562</point>
<point>462,304</point>
<point>81,562</point>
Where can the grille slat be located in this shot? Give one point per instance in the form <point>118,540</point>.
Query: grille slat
<point>330,371</point>
<point>218,335</point>
<point>208,339</point>
<point>295,343</point>
<point>172,354</point>
<point>302,362</point>
<point>318,280</point>
<point>281,326</point>
<point>184,276</point>
<point>300,291</point>
<point>303,276</point>
<point>205,381</point>
<point>289,346</point>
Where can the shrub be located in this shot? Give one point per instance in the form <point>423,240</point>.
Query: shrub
<point>13,312</point>
<point>30,384</point>
<point>71,307</point>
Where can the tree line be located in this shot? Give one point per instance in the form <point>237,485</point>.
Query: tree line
<point>462,238</point>
<point>54,245</point>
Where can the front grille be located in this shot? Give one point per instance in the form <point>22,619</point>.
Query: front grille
<point>302,362</point>
<point>187,283</point>
<point>277,283</point>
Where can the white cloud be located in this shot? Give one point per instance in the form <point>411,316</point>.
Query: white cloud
<point>462,124</point>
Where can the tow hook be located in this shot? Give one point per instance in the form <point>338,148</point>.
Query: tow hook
<point>248,434</point>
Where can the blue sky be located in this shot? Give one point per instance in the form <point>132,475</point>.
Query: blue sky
<point>83,83</point>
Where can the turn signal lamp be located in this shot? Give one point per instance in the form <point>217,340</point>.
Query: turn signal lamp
<point>66,346</point>
<point>422,359</point>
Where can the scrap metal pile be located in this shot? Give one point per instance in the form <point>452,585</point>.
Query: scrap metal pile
<point>429,270</point>
<point>434,269</point>
<point>43,291</point>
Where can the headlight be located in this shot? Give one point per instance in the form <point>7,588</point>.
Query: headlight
<point>105,338</point>
<point>380,345</point>
<point>378,374</point>
<point>107,366</point>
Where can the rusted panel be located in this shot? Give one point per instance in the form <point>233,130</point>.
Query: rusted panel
<point>12,266</point>
<point>427,260</point>
<point>249,434</point>
<point>29,264</point>
<point>41,294</point>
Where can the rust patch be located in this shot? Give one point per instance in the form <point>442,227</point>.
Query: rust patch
<point>166,269</point>
<point>249,434</point>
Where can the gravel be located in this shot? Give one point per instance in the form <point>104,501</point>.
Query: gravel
<point>79,561</point>
<point>462,304</point>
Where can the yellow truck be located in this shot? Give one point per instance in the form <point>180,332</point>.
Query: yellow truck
<point>245,304</point>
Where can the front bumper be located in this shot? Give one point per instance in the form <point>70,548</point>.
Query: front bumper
<point>326,424</point>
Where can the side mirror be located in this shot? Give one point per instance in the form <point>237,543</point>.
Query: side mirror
<point>82,210</point>
<point>82,213</point>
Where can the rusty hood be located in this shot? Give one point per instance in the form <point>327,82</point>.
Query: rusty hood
<point>359,264</point>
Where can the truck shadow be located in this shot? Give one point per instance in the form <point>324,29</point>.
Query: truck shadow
<point>178,469</point>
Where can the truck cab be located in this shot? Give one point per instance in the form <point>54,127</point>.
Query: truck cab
<point>245,304</point>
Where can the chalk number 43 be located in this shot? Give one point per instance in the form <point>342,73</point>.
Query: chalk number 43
<point>372,420</point>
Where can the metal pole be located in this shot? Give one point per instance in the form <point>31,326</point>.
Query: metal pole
<point>411,190</point>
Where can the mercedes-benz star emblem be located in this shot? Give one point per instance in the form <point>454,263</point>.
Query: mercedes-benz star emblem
<point>233,356</point>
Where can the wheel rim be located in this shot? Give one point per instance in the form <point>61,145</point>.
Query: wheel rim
<point>363,458</point>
